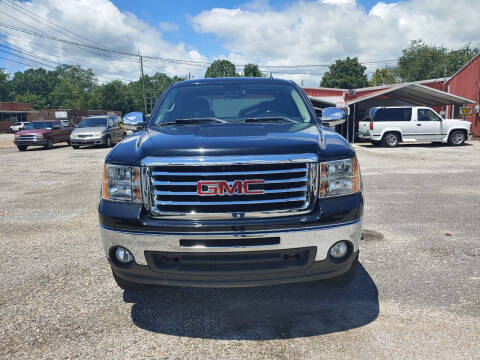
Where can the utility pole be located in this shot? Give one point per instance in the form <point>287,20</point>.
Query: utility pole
<point>143,83</point>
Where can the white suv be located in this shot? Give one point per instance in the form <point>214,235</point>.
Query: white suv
<point>18,126</point>
<point>390,125</point>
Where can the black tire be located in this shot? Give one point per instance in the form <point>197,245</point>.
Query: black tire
<point>457,138</point>
<point>49,144</point>
<point>22,147</point>
<point>129,285</point>
<point>390,139</point>
<point>124,135</point>
<point>108,141</point>
<point>75,146</point>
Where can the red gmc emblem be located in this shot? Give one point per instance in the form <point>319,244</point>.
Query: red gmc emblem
<point>222,187</point>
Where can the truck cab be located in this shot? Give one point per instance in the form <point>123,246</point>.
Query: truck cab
<point>232,182</point>
<point>392,125</point>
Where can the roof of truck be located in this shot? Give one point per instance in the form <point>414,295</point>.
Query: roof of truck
<point>233,79</point>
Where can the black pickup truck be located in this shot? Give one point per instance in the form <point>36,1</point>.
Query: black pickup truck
<point>232,182</point>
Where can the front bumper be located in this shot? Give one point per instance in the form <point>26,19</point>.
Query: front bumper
<point>314,242</point>
<point>87,141</point>
<point>31,142</point>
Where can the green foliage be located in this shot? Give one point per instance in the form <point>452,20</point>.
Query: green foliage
<point>73,87</point>
<point>420,61</point>
<point>252,70</point>
<point>220,68</point>
<point>345,74</point>
<point>383,76</point>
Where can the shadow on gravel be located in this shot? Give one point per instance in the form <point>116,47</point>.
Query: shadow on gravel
<point>256,313</point>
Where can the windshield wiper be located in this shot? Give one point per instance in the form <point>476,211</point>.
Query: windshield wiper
<point>269,119</point>
<point>186,121</point>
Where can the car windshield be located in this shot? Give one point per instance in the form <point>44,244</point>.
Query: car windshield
<point>232,102</point>
<point>39,125</point>
<point>92,122</point>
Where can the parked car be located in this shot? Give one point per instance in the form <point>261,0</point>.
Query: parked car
<point>233,182</point>
<point>98,130</point>
<point>18,126</point>
<point>392,125</point>
<point>42,133</point>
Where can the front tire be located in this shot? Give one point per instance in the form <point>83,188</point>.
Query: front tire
<point>390,139</point>
<point>75,146</point>
<point>129,285</point>
<point>49,144</point>
<point>108,141</point>
<point>22,147</point>
<point>457,138</point>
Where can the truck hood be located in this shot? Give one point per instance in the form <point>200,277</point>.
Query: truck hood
<point>231,139</point>
<point>34,132</point>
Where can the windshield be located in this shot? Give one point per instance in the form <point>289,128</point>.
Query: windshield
<point>92,122</point>
<point>233,102</point>
<point>38,125</point>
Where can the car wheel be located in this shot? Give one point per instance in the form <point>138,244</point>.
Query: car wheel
<point>108,141</point>
<point>75,146</point>
<point>22,147</point>
<point>390,139</point>
<point>457,138</point>
<point>124,135</point>
<point>49,144</point>
<point>129,285</point>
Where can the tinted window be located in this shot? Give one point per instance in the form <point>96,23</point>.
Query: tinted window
<point>233,102</point>
<point>39,125</point>
<point>393,114</point>
<point>427,115</point>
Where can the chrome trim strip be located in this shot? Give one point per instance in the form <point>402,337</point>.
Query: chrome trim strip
<point>228,202</point>
<point>194,183</point>
<point>213,235</point>
<point>230,160</point>
<point>220,173</point>
<point>194,193</point>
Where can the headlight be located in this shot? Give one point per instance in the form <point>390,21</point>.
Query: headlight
<point>121,183</point>
<point>339,177</point>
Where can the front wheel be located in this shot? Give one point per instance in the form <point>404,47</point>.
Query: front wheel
<point>390,139</point>
<point>457,138</point>
<point>75,146</point>
<point>108,141</point>
<point>21,147</point>
<point>49,144</point>
<point>129,285</point>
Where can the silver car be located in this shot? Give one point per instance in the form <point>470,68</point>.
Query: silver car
<point>98,130</point>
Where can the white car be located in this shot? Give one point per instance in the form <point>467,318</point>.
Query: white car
<point>18,126</point>
<point>391,125</point>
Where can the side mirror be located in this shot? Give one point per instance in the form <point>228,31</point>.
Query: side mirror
<point>332,116</point>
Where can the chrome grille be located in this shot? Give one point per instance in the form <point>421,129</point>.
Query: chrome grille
<point>29,137</point>
<point>289,186</point>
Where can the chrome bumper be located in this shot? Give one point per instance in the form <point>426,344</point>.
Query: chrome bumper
<point>320,237</point>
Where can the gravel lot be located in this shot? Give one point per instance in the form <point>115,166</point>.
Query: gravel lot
<point>417,294</point>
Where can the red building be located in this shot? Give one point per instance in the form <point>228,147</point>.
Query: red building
<point>466,82</point>
<point>11,112</point>
<point>445,95</point>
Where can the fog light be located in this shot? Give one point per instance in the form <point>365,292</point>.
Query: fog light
<point>339,250</point>
<point>123,255</point>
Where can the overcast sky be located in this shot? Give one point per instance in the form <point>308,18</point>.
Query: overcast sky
<point>271,33</point>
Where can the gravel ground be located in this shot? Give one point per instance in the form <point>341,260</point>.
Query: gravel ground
<point>417,294</point>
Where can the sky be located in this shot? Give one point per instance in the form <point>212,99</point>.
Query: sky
<point>278,35</point>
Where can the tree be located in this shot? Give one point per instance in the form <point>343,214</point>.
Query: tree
<point>3,85</point>
<point>252,70</point>
<point>383,76</point>
<point>345,74</point>
<point>220,68</point>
